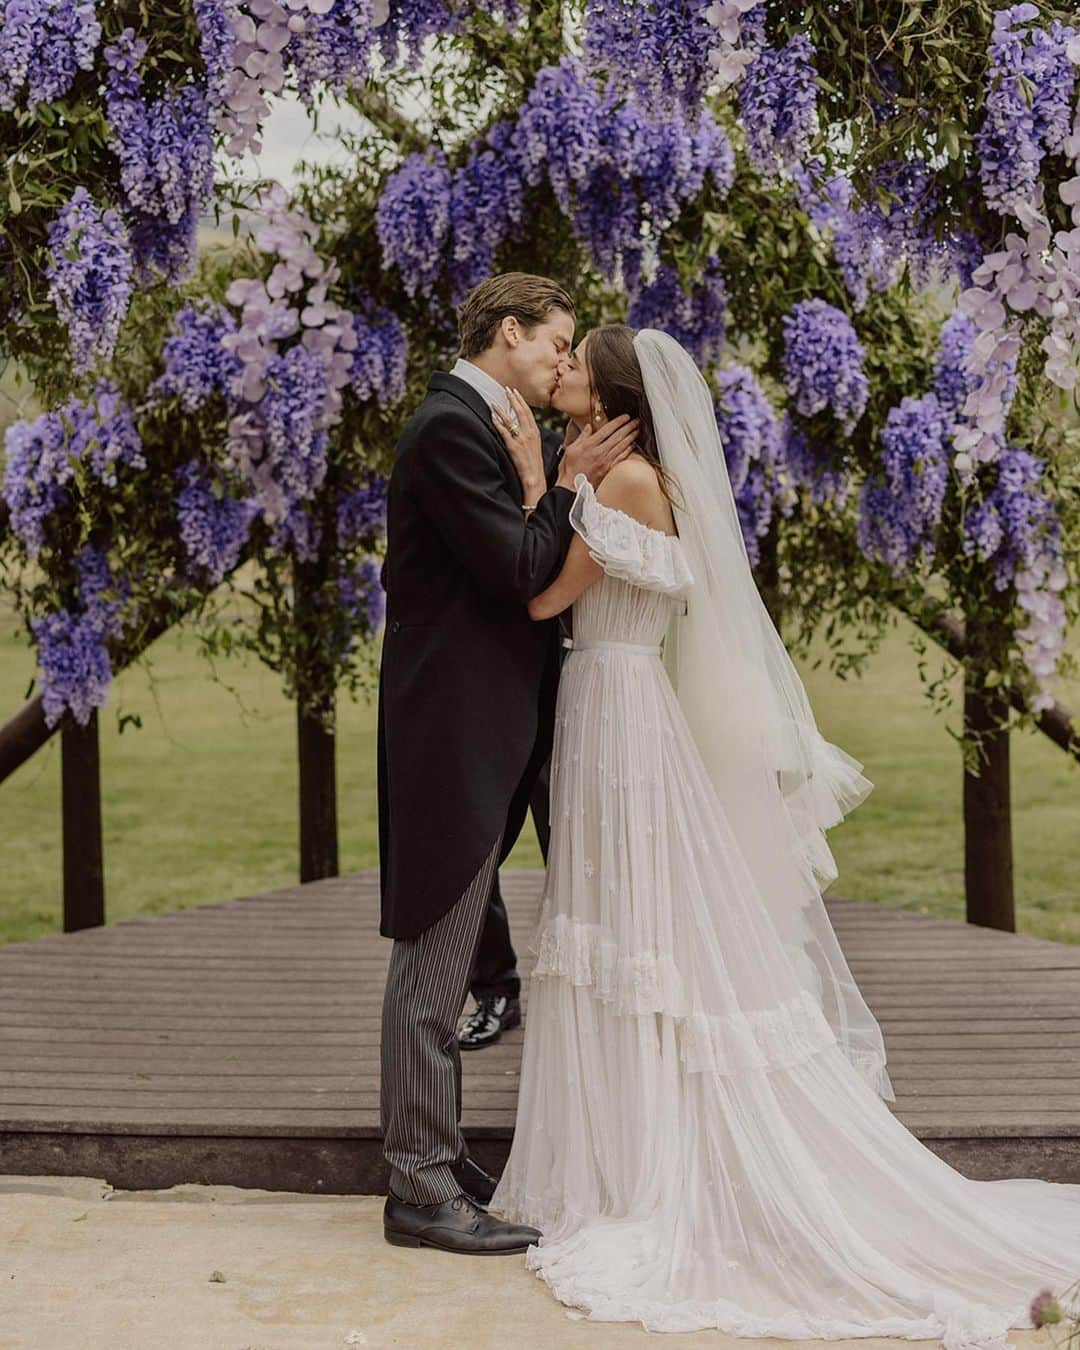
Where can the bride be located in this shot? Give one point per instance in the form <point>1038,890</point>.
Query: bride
<point>700,1133</point>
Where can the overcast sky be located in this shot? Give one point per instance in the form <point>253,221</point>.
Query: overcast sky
<point>289,136</point>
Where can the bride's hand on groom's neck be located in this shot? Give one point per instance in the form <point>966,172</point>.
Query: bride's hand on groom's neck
<point>595,453</point>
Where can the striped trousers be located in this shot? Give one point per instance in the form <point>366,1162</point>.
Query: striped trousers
<point>420,1062</point>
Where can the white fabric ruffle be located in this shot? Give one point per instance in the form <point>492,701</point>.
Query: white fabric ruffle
<point>628,549</point>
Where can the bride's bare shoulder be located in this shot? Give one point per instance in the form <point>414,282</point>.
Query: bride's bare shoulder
<point>633,486</point>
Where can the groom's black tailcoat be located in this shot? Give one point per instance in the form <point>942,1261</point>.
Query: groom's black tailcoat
<point>468,681</point>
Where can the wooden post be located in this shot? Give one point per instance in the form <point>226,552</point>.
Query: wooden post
<point>80,794</point>
<point>988,851</point>
<point>315,705</point>
<point>768,575</point>
<point>318,798</point>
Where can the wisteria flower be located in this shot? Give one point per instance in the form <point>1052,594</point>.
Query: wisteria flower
<point>89,272</point>
<point>823,362</point>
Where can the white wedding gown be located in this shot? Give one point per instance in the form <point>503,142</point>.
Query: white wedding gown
<point>691,1139</point>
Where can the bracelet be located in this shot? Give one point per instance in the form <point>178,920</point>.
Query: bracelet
<point>528,511</point>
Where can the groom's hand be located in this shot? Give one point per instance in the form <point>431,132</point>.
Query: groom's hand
<point>594,453</point>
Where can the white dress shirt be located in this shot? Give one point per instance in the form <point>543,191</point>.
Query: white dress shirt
<point>489,388</point>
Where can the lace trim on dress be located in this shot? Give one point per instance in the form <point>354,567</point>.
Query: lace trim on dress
<point>627,548</point>
<point>649,982</point>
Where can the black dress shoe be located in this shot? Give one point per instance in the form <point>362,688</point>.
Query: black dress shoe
<point>457,1225</point>
<point>475,1181</point>
<point>494,1014</point>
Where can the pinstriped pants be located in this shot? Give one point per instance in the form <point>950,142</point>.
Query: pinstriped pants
<point>420,1062</point>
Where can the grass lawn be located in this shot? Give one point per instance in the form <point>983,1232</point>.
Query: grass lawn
<point>200,804</point>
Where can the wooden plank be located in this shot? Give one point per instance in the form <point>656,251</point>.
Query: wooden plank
<point>258,1019</point>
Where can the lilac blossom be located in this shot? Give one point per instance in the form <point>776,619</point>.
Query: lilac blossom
<point>823,362</point>
<point>103,434</point>
<point>72,644</point>
<point>37,470</point>
<point>558,131</point>
<point>738,26</point>
<point>293,411</point>
<point>217,20</point>
<point>333,50</point>
<point>89,271</point>
<point>1027,104</point>
<point>297,531</point>
<point>412,220</point>
<point>43,46</point>
<point>214,526</point>
<point>487,201</point>
<point>362,600</point>
<point>1007,527</point>
<point>824,482</point>
<point>42,457</point>
<point>778,105</point>
<point>613,168</point>
<point>750,436</point>
<point>660,53</point>
<point>286,400</point>
<point>409,23</point>
<point>165,148</point>
<point>361,513</point>
<point>380,361</point>
<point>197,363</point>
<point>694,318</point>
<point>1016,529</point>
<point>749,431</point>
<point>73,659</point>
<point>898,515</point>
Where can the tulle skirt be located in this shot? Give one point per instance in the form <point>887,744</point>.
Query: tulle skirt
<point>694,1140</point>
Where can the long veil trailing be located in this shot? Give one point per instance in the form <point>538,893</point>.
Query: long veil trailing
<point>781,783</point>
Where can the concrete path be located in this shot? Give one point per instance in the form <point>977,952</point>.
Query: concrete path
<point>86,1267</point>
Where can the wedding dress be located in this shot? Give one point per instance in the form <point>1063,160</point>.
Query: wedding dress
<point>700,1132</point>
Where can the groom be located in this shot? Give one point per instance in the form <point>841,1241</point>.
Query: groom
<point>466,713</point>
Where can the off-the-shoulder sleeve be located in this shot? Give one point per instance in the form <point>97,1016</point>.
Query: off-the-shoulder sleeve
<point>626,548</point>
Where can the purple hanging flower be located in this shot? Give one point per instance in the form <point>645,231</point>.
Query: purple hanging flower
<point>412,221</point>
<point>90,277</point>
<point>333,50</point>
<point>1027,104</point>
<point>812,470</point>
<point>72,647</point>
<point>42,456</point>
<point>362,601</point>
<point>487,199</point>
<point>748,428</point>
<point>1010,526</point>
<point>823,362</point>
<point>165,149</point>
<point>899,514</point>
<point>659,52</point>
<point>197,364</point>
<point>43,46</point>
<point>214,527</point>
<point>778,105</point>
<point>73,659</point>
<point>380,361</point>
<point>37,469</point>
<point>361,513</point>
<point>696,319</point>
<point>103,433</point>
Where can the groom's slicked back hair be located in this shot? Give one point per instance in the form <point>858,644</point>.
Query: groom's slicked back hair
<point>529,299</point>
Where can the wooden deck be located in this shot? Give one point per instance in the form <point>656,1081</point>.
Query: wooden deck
<point>238,1043</point>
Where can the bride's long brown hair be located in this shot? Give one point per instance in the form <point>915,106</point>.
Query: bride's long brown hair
<point>616,382</point>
